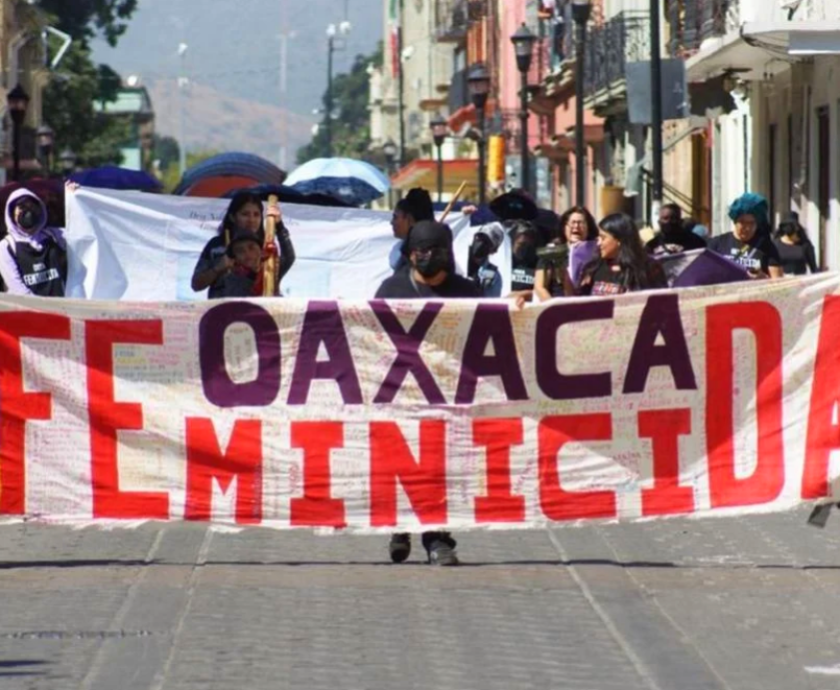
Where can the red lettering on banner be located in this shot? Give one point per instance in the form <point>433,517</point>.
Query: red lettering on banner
<point>554,433</point>
<point>767,481</point>
<point>499,505</point>
<point>241,461</point>
<point>823,434</point>
<point>317,508</point>
<point>16,406</point>
<point>424,482</point>
<point>107,417</point>
<point>663,428</point>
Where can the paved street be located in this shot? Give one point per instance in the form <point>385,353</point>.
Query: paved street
<point>743,604</point>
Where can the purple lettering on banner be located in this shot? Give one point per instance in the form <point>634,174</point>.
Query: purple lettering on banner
<point>559,386</point>
<point>491,323</point>
<point>661,315</point>
<point>408,353</point>
<point>322,324</point>
<point>219,388</point>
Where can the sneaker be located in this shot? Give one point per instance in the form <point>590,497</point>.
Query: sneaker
<point>441,553</point>
<point>400,547</point>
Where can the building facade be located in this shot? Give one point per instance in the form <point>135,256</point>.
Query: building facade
<point>756,83</point>
<point>21,62</point>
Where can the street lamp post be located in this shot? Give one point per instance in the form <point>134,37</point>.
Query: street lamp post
<point>332,31</point>
<point>479,87</point>
<point>440,128</point>
<point>67,160</point>
<point>656,108</point>
<point>45,137</point>
<point>18,101</point>
<point>581,11</point>
<point>523,43</point>
<point>389,150</point>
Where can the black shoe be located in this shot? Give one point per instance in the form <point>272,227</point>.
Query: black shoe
<point>400,547</point>
<point>440,548</point>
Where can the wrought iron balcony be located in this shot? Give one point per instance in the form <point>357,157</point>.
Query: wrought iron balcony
<point>694,21</point>
<point>622,39</point>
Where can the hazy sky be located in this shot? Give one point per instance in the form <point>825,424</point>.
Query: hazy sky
<point>235,45</point>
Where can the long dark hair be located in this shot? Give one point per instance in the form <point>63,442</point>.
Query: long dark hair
<point>591,224</point>
<point>637,269</point>
<point>227,228</point>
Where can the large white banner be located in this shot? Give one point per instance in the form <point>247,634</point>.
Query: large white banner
<point>143,247</point>
<point>377,416</point>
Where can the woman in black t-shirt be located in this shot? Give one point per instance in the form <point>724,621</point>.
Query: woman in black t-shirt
<point>749,242</point>
<point>796,253</point>
<point>623,264</point>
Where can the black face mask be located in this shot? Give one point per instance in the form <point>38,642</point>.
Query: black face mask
<point>479,251</point>
<point>29,218</point>
<point>437,261</point>
<point>526,255</point>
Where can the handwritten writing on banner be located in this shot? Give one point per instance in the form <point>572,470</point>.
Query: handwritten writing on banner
<point>379,416</point>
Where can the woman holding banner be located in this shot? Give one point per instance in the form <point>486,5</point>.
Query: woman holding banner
<point>577,225</point>
<point>218,260</point>
<point>749,243</point>
<point>623,264</point>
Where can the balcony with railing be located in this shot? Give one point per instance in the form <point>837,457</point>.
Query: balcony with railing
<point>622,39</point>
<point>694,21</point>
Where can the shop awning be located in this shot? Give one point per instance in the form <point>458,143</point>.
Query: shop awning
<point>423,173</point>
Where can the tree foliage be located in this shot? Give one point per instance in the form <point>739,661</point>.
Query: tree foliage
<point>350,116</point>
<point>79,83</point>
<point>85,19</point>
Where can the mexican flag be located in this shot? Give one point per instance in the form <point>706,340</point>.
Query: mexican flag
<point>395,23</point>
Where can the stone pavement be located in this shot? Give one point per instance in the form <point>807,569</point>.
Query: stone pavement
<point>730,604</point>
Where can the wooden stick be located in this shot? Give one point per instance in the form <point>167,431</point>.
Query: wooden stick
<point>454,201</point>
<point>270,265</point>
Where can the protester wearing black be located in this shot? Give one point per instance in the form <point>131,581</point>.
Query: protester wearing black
<point>428,276</point>
<point>245,213</point>
<point>749,243</point>
<point>673,237</point>
<point>525,239</point>
<point>415,207</point>
<point>796,253</point>
<point>480,270</point>
<point>623,265</point>
<point>33,256</point>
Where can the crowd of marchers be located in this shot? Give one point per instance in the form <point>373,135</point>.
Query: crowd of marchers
<point>551,256</point>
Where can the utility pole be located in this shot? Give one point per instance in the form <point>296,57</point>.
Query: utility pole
<point>401,83</point>
<point>656,108</point>
<point>329,104</point>
<point>182,85</point>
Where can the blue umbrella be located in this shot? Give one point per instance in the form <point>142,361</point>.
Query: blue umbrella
<point>112,177</point>
<point>355,182</point>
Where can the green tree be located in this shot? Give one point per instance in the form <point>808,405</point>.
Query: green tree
<point>351,119</point>
<point>85,19</point>
<point>172,175</point>
<point>78,83</point>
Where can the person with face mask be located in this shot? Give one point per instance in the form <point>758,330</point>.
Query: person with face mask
<point>749,243</point>
<point>673,237</point>
<point>484,274</point>
<point>525,239</point>
<point>429,275</point>
<point>430,267</point>
<point>33,257</point>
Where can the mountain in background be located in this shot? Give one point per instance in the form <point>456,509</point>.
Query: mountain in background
<point>233,64</point>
